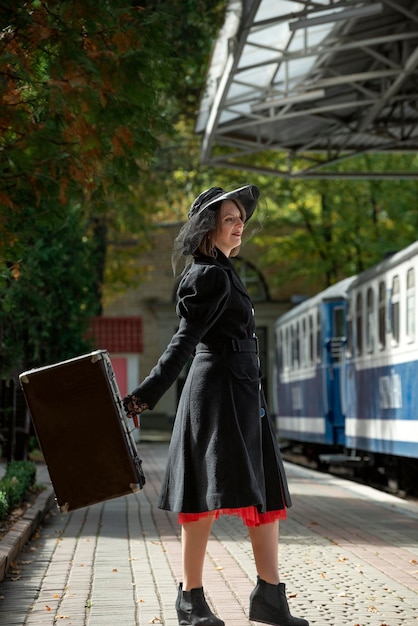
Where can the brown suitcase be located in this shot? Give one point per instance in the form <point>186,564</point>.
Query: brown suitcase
<point>82,429</point>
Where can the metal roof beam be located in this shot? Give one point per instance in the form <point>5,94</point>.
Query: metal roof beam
<point>352,13</point>
<point>410,65</point>
<point>260,120</point>
<point>320,84</point>
<point>324,48</point>
<point>362,74</point>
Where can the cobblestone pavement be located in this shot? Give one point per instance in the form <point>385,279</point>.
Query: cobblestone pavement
<point>348,554</point>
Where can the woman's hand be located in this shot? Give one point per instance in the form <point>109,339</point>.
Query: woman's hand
<point>133,407</point>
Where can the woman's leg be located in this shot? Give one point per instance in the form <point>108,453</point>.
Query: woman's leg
<point>194,536</point>
<point>265,544</point>
<point>268,602</point>
<point>191,604</point>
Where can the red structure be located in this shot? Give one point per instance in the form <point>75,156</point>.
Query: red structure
<point>118,335</point>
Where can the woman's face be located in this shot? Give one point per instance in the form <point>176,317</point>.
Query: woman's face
<point>228,233</point>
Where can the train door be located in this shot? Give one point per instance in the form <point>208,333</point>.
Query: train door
<point>335,340</point>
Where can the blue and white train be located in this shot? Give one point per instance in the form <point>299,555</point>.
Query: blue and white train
<point>347,372</point>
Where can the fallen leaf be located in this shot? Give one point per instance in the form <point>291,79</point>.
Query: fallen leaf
<point>155,620</point>
<point>115,569</point>
<point>48,608</point>
<point>372,609</point>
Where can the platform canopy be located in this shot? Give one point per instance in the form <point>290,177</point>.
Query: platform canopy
<point>295,88</point>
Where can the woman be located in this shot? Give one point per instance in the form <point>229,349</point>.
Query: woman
<point>221,414</point>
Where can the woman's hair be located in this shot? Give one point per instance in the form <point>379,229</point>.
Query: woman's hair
<point>196,235</point>
<point>206,246</point>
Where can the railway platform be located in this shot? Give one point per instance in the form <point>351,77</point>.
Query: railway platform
<point>348,555</point>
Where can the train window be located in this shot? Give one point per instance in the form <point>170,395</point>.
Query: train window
<point>297,346</point>
<point>395,311</point>
<point>292,347</point>
<point>338,333</point>
<point>370,325</point>
<point>294,357</point>
<point>318,337</point>
<point>303,344</point>
<point>311,339</point>
<point>286,349</point>
<point>280,352</point>
<point>381,321</point>
<point>359,325</point>
<point>349,348</point>
<point>338,315</point>
<point>410,305</point>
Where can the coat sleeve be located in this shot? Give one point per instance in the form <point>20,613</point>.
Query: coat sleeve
<point>203,295</point>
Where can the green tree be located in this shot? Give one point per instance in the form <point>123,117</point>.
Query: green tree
<point>88,92</point>
<point>323,230</point>
<point>47,298</point>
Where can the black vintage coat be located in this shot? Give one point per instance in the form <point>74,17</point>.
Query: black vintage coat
<point>223,452</point>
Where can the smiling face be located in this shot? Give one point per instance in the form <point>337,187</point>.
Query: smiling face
<point>230,225</point>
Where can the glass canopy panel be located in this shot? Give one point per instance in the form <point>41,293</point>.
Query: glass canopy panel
<point>293,73</point>
<point>268,8</point>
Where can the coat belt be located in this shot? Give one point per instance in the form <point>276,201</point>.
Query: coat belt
<point>233,345</point>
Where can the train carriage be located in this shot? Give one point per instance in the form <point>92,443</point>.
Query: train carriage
<point>382,358</point>
<point>310,397</point>
<point>347,373</point>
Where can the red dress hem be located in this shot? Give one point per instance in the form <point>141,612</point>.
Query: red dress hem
<point>249,515</point>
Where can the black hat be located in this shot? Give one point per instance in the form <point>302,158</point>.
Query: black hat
<point>202,221</point>
<point>247,197</point>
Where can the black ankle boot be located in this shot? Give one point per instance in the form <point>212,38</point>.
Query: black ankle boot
<point>193,610</point>
<point>268,604</point>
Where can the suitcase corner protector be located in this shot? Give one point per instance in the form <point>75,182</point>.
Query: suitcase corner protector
<point>23,379</point>
<point>97,355</point>
<point>135,487</point>
<point>64,508</point>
